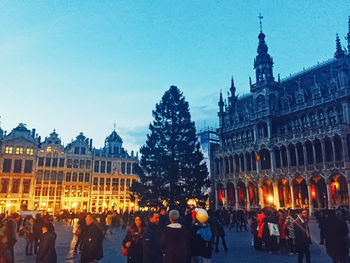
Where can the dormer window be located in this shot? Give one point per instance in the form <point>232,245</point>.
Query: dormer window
<point>82,150</point>
<point>48,150</point>
<point>76,150</point>
<point>30,151</point>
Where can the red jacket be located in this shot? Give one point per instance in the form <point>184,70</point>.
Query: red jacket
<point>261,224</point>
<point>282,227</point>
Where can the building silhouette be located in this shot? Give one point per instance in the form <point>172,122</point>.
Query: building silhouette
<point>287,143</point>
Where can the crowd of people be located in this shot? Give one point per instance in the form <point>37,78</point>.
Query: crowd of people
<point>177,236</point>
<point>288,232</point>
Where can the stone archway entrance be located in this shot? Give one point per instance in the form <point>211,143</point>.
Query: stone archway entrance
<point>267,192</point>
<point>253,192</point>
<point>241,191</point>
<point>230,195</point>
<point>338,189</point>
<point>300,192</point>
<point>318,192</point>
<point>220,194</point>
<point>284,194</point>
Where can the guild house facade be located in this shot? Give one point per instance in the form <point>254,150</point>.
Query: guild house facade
<point>287,143</point>
<point>45,175</point>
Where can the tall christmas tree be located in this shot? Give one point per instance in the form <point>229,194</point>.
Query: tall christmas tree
<point>172,166</point>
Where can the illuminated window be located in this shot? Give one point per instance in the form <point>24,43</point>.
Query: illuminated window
<point>8,150</point>
<point>30,151</point>
<point>55,150</point>
<point>48,150</point>
<point>19,150</point>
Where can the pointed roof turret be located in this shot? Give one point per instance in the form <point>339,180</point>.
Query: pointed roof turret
<point>263,62</point>
<point>114,137</point>
<point>221,103</point>
<point>233,88</point>
<point>339,53</point>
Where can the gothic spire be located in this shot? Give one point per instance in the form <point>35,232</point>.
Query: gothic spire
<point>339,53</point>
<point>263,62</point>
<point>221,103</point>
<point>233,88</point>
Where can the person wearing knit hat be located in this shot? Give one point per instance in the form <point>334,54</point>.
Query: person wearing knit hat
<point>173,240</point>
<point>201,237</point>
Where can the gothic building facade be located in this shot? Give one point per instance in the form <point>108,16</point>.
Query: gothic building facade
<point>45,175</point>
<point>286,143</point>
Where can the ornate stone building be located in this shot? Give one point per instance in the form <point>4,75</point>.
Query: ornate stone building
<point>286,143</point>
<point>45,175</point>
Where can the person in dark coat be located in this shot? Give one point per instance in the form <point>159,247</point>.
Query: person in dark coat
<point>38,223</point>
<point>218,231</point>
<point>12,234</point>
<point>174,241</point>
<point>151,241</point>
<point>302,237</point>
<point>163,219</point>
<point>201,238</point>
<point>336,236</point>
<point>47,250</point>
<point>80,233</point>
<point>133,241</point>
<point>92,241</point>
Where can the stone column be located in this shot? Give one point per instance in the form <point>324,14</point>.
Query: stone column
<point>329,196</point>
<point>296,155</point>
<point>269,129</point>
<point>311,208</point>
<point>333,150</point>
<point>216,198</point>
<point>236,197</point>
<point>273,160</point>
<point>248,199</point>
<point>275,195</point>
<point>225,193</point>
<point>239,164</point>
<point>314,152</point>
<point>292,194</point>
<point>305,155</point>
<point>345,152</point>
<point>281,159</point>
<point>255,133</point>
<point>288,159</point>
<point>261,197</point>
<point>323,153</point>
<point>245,162</point>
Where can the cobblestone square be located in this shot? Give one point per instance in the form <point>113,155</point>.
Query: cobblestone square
<point>239,244</point>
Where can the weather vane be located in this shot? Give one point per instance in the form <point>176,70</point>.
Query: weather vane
<point>260,18</point>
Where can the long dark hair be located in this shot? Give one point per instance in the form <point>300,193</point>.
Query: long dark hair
<point>133,225</point>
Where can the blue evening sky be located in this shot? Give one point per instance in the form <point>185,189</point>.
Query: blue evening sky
<point>84,65</point>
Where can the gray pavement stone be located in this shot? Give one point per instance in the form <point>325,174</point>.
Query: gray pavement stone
<point>239,244</point>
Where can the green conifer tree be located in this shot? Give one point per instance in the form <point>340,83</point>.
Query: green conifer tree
<point>172,167</point>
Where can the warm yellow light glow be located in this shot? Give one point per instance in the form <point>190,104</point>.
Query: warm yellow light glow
<point>192,202</point>
<point>8,204</point>
<point>74,204</point>
<point>132,204</point>
<point>104,204</point>
<point>43,204</point>
<point>270,198</point>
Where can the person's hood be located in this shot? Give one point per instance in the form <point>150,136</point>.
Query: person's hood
<point>205,233</point>
<point>174,225</point>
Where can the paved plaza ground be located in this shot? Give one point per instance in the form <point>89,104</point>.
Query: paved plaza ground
<point>239,244</point>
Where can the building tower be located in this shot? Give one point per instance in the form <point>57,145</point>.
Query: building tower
<point>263,62</point>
